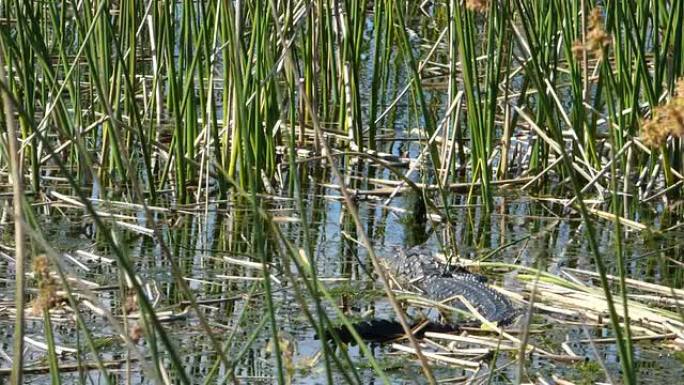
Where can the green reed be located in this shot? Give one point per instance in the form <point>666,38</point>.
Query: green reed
<point>142,53</point>
<point>539,78</point>
<point>11,154</point>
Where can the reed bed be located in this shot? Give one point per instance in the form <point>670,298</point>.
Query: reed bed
<point>133,113</point>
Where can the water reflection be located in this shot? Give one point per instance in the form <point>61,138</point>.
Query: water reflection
<point>208,243</point>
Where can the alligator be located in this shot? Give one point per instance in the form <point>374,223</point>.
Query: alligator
<point>417,270</point>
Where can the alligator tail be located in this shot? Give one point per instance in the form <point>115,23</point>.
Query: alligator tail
<point>382,330</point>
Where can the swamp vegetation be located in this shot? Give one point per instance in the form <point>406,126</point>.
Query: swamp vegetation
<point>193,192</point>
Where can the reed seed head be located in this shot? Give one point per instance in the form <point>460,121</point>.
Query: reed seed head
<point>131,303</point>
<point>665,120</point>
<point>477,5</point>
<point>597,38</point>
<point>578,49</point>
<point>135,333</point>
<point>47,287</point>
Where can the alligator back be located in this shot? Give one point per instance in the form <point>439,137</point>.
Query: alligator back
<point>417,269</point>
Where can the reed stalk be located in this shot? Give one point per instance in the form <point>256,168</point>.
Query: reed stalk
<point>16,180</point>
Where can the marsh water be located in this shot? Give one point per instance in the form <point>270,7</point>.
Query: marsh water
<point>206,242</point>
<point>212,246</point>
